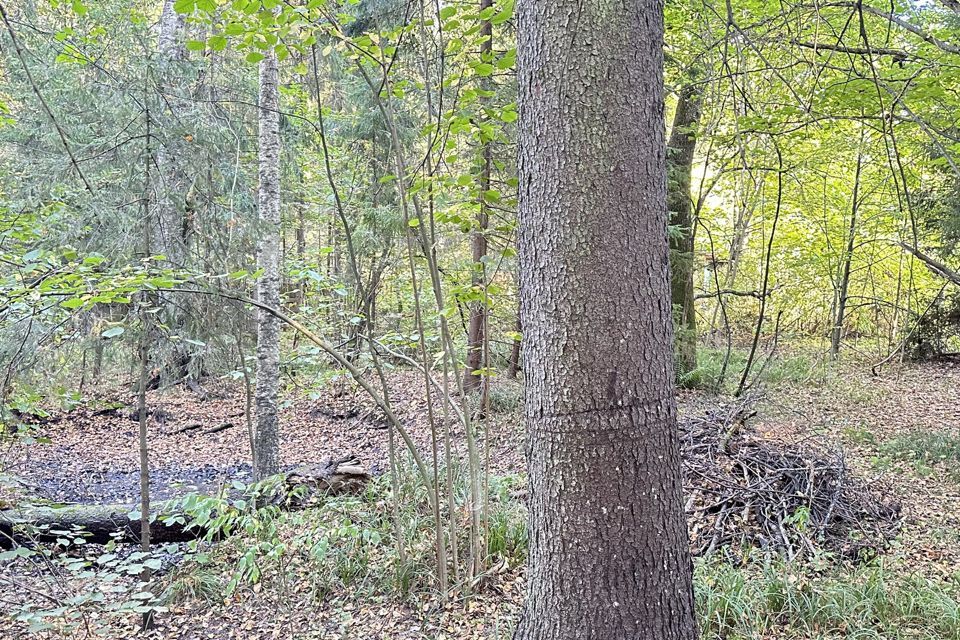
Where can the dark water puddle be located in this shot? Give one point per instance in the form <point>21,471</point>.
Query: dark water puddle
<point>89,485</point>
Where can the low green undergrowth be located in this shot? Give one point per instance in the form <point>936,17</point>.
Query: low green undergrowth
<point>777,600</point>
<point>793,368</point>
<point>372,544</point>
<point>347,549</point>
<point>925,450</point>
<point>348,545</point>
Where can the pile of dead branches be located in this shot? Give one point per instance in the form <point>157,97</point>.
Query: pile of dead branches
<point>745,492</point>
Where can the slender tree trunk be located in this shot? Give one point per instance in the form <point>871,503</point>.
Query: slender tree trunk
<point>477,327</point>
<point>147,618</point>
<point>514,365</point>
<point>171,43</point>
<point>97,357</point>
<point>741,233</point>
<point>680,152</point>
<point>609,555</point>
<point>301,251</point>
<point>836,334</point>
<point>267,441</point>
<point>169,235</point>
<point>146,325</point>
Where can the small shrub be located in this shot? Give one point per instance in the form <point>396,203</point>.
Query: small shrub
<point>798,369</point>
<point>193,582</point>
<point>505,396</point>
<point>860,435</point>
<point>925,449</point>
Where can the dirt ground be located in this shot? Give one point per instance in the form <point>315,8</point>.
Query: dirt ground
<point>197,444</point>
<point>94,458</point>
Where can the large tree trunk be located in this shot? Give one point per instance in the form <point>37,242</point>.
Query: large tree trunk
<point>477,327</point>
<point>266,454</point>
<point>680,152</point>
<point>609,556</point>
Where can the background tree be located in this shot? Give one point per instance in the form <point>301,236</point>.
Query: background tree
<point>266,454</point>
<point>681,148</point>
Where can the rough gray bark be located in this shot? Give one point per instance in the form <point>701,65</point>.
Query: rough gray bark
<point>266,452</point>
<point>609,556</point>
<point>680,152</point>
<point>171,44</point>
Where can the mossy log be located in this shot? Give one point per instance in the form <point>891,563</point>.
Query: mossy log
<point>94,523</point>
<point>304,487</point>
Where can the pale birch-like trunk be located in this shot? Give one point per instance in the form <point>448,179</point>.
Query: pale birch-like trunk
<point>266,454</point>
<point>169,220</point>
<point>168,235</point>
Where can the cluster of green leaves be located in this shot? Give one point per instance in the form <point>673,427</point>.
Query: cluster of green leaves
<point>110,574</point>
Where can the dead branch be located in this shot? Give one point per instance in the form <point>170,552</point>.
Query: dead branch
<point>745,493</point>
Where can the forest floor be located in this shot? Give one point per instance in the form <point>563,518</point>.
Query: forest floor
<point>902,427</point>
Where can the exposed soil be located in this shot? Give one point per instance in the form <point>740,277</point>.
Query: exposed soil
<point>94,458</point>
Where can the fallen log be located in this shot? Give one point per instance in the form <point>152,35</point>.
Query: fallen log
<point>308,484</point>
<point>303,487</point>
<point>96,524</point>
<point>219,428</point>
<point>190,427</point>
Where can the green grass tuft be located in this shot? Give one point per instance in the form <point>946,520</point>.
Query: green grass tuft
<point>785,601</point>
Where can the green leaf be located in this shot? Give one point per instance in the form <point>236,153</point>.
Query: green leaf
<point>184,6</point>
<point>483,69</point>
<point>217,43</point>
<point>254,57</point>
<point>112,332</point>
<point>73,303</point>
<point>506,12</point>
<point>196,45</point>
